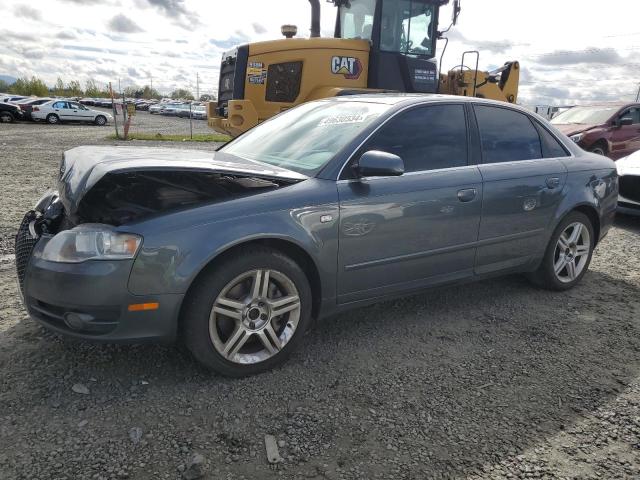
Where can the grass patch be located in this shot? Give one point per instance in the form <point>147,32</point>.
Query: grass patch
<point>197,137</point>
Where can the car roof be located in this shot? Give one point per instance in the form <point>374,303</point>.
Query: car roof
<point>400,100</point>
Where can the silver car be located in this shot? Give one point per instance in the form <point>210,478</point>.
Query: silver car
<point>57,111</point>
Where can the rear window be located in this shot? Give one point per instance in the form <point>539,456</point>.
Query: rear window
<point>506,135</point>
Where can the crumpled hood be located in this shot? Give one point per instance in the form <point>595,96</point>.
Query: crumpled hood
<point>629,165</point>
<point>572,129</point>
<point>83,167</point>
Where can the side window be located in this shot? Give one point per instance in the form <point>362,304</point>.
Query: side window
<point>426,138</point>
<point>633,113</point>
<point>59,105</point>
<point>506,135</point>
<point>551,147</point>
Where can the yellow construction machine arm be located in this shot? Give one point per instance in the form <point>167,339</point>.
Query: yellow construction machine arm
<point>501,84</point>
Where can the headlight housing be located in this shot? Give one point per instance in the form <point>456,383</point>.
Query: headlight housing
<point>91,242</point>
<point>577,137</point>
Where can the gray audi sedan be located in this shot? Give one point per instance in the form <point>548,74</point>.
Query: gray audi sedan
<point>328,206</point>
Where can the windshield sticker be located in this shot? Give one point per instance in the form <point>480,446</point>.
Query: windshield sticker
<point>350,67</point>
<point>256,73</point>
<point>342,119</point>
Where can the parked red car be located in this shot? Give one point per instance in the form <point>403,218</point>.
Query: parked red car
<point>610,129</point>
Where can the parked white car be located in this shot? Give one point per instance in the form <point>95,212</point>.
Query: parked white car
<point>57,111</point>
<point>629,173</point>
<point>157,108</point>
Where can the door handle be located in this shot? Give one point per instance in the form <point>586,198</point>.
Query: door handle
<point>553,182</point>
<point>467,194</point>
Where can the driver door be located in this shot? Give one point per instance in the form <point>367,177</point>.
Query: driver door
<point>80,113</point>
<point>407,232</point>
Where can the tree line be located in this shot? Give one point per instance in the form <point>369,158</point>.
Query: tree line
<point>36,87</point>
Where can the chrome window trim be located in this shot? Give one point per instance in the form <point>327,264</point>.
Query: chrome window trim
<point>408,174</point>
<point>462,103</point>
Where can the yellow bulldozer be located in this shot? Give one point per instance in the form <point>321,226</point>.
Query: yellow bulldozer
<point>378,46</point>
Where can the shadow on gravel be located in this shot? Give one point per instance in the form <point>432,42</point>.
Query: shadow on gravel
<point>631,223</point>
<point>438,384</point>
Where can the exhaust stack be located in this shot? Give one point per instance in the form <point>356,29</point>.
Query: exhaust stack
<point>315,18</point>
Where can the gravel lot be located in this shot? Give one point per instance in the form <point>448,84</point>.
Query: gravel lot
<point>488,380</point>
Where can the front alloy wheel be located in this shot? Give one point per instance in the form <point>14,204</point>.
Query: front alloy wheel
<point>254,316</point>
<point>247,311</point>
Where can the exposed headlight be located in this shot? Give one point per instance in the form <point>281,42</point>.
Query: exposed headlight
<point>46,200</point>
<point>91,242</point>
<point>577,137</point>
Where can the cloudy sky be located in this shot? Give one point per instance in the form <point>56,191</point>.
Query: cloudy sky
<point>571,51</point>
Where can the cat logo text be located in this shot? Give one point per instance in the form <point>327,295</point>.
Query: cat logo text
<point>350,67</point>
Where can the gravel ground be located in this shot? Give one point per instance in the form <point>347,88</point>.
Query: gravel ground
<point>488,380</point>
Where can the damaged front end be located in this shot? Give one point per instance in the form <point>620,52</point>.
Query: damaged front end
<point>102,188</point>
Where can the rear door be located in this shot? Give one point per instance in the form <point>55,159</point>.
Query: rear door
<point>401,233</point>
<point>63,110</point>
<point>522,189</point>
<point>625,139</point>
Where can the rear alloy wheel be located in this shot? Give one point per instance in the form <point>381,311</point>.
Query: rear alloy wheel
<point>100,120</point>
<point>6,117</point>
<point>572,252</point>
<point>568,254</point>
<point>257,314</point>
<point>53,119</point>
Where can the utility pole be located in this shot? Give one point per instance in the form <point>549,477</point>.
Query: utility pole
<point>638,95</point>
<point>151,76</point>
<point>197,86</point>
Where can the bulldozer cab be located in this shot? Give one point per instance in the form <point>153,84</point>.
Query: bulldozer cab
<point>403,36</point>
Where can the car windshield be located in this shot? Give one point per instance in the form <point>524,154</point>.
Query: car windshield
<point>585,115</point>
<point>304,139</point>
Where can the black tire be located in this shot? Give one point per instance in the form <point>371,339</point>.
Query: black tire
<point>600,148</point>
<point>53,119</point>
<point>198,305</point>
<point>545,276</point>
<point>100,120</point>
<point>6,117</point>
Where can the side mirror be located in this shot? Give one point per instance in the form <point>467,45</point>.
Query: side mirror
<point>624,121</point>
<point>375,163</point>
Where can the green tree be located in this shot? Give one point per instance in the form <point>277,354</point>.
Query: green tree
<point>132,92</point>
<point>74,89</point>
<point>58,88</point>
<point>19,87</point>
<point>91,89</point>
<point>37,87</point>
<point>4,86</point>
<point>181,93</point>
<point>149,93</point>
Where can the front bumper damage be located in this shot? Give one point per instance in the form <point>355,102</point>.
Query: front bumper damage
<point>87,300</point>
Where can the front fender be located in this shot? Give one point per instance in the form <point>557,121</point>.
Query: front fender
<point>169,262</point>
